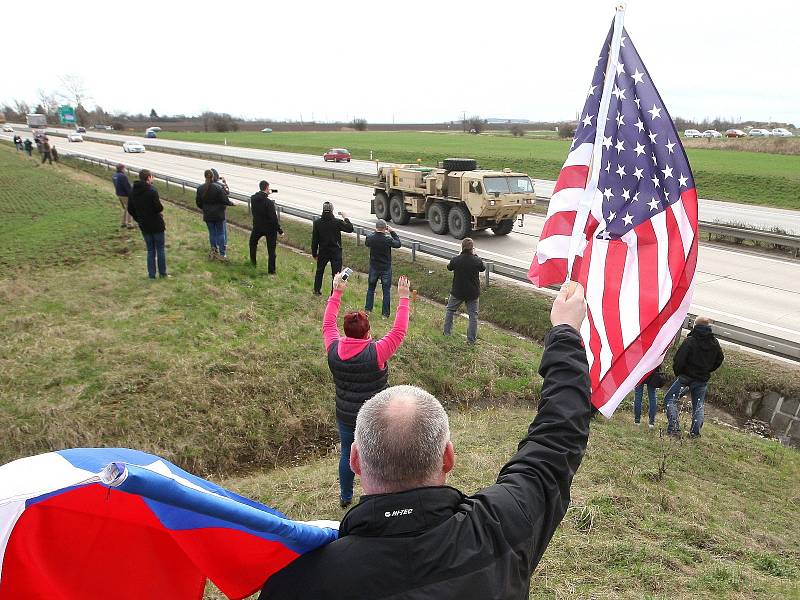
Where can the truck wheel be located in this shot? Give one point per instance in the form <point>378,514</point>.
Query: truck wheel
<point>459,164</point>
<point>437,217</point>
<point>398,210</point>
<point>459,222</point>
<point>381,206</point>
<point>504,227</point>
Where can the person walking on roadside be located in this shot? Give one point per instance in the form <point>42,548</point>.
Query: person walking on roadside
<point>28,145</point>
<point>380,244</point>
<point>359,367</point>
<point>122,188</point>
<point>654,380</point>
<point>326,243</point>
<point>698,356</point>
<point>46,153</point>
<point>265,224</point>
<point>213,199</point>
<point>145,207</point>
<point>466,288</point>
<point>17,141</point>
<point>413,537</point>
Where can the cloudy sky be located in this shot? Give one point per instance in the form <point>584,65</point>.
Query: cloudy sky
<point>410,61</point>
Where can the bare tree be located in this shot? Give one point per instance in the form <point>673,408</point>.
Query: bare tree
<point>21,107</point>
<point>73,90</point>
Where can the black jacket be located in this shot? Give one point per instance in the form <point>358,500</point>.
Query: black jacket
<point>698,356</point>
<point>380,249</point>
<point>357,380</point>
<point>213,202</point>
<point>435,543</point>
<point>326,236</point>
<point>466,281</point>
<point>145,207</point>
<point>265,217</point>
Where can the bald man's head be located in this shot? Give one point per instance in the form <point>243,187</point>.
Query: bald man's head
<point>401,435</point>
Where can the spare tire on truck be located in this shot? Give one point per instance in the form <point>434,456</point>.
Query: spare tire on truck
<point>459,164</point>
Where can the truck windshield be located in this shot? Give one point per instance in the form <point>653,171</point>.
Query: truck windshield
<point>508,185</point>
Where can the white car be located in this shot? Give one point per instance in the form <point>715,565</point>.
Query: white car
<point>8,128</point>
<point>133,147</point>
<point>759,132</point>
<point>75,137</point>
<point>711,133</point>
<point>692,133</point>
<point>781,132</point>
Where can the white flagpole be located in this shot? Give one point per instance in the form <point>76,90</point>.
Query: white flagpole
<point>584,208</point>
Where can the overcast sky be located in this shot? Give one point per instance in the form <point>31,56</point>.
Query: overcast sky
<point>409,61</point>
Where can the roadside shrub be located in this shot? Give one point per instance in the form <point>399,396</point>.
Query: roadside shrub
<point>517,130</point>
<point>566,130</point>
<point>360,124</point>
<point>475,124</point>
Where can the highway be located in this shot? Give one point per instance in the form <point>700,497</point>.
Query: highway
<point>710,210</point>
<point>753,291</point>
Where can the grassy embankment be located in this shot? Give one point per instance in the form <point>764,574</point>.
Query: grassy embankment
<point>220,369</point>
<point>749,177</point>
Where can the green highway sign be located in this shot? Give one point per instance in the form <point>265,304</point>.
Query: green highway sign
<point>66,115</point>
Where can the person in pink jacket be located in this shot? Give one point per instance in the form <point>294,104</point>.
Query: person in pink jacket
<point>359,367</point>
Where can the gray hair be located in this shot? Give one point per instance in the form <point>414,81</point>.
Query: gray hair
<point>401,448</point>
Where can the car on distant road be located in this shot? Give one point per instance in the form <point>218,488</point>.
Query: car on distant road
<point>266,130</point>
<point>337,155</point>
<point>692,133</point>
<point>74,137</point>
<point>711,133</point>
<point>131,146</point>
<point>103,127</point>
<point>8,128</point>
<point>781,132</point>
<point>80,129</point>
<point>151,133</point>
<point>756,132</point>
<point>735,133</point>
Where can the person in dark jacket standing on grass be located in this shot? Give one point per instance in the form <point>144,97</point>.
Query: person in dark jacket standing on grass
<point>380,244</point>
<point>46,154</point>
<point>122,187</point>
<point>17,141</point>
<point>412,537</point>
<point>326,243</point>
<point>145,207</point>
<point>212,197</point>
<point>265,224</point>
<point>28,144</point>
<point>466,288</point>
<point>699,356</point>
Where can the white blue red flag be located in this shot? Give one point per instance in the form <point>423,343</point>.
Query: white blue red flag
<point>92,523</point>
<point>622,221</point>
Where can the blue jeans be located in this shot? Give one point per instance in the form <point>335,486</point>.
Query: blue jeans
<point>385,277</point>
<point>698,391</point>
<point>218,236</point>
<point>453,304</point>
<point>346,476</point>
<point>638,392</point>
<point>155,250</point>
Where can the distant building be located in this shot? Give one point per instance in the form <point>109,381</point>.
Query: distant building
<point>496,121</point>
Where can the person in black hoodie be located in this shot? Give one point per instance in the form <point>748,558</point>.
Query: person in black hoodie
<point>265,224</point>
<point>413,537</point>
<point>145,207</point>
<point>466,288</point>
<point>698,357</point>
<point>212,197</point>
<point>326,243</point>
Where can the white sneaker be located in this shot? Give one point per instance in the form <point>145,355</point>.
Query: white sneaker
<point>651,426</point>
<point>637,423</point>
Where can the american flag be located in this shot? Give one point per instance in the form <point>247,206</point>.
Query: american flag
<point>623,222</point>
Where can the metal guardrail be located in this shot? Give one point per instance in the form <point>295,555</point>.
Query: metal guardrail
<point>724,331</point>
<point>754,235</point>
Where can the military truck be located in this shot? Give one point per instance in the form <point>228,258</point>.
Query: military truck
<point>456,196</point>
<point>38,125</point>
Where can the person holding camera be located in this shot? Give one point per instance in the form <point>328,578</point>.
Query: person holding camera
<point>326,243</point>
<point>212,197</point>
<point>466,288</point>
<point>265,224</point>
<point>359,366</point>
<point>380,244</point>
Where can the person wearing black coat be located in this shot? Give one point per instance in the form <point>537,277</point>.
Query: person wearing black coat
<point>28,145</point>
<point>265,224</point>
<point>698,356</point>
<point>380,244</point>
<point>145,207</point>
<point>17,141</point>
<point>411,536</point>
<point>466,288</point>
<point>326,243</point>
<point>212,197</point>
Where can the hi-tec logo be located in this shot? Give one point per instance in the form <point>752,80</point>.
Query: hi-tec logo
<point>398,513</point>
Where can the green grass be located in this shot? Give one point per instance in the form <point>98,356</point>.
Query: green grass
<point>748,177</point>
<point>221,370</point>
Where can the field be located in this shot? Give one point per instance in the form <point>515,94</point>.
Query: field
<point>750,177</point>
<point>221,370</point>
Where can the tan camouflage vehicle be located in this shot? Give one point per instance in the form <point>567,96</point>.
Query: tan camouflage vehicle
<point>456,197</point>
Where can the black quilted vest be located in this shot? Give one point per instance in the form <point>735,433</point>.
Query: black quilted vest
<point>357,380</point>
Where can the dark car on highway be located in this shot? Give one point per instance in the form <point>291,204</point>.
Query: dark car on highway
<point>337,155</point>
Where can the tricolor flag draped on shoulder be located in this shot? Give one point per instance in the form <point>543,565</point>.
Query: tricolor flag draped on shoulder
<point>99,523</point>
<point>622,221</point>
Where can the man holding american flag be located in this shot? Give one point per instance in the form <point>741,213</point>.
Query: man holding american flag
<point>622,221</point>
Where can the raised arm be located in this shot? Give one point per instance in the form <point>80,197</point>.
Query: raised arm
<point>388,344</point>
<point>330,332</point>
